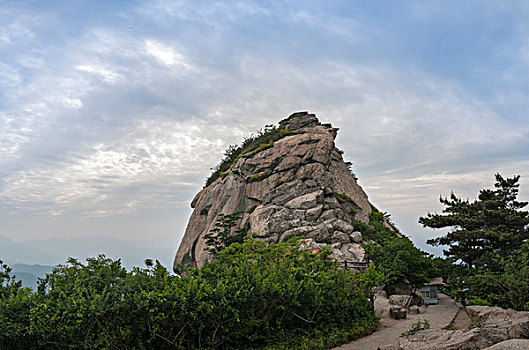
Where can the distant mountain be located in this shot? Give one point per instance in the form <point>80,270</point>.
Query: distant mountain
<point>37,270</point>
<point>13,252</point>
<point>53,251</point>
<point>29,274</point>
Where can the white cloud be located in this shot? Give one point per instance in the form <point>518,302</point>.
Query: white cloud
<point>16,27</point>
<point>158,153</point>
<point>208,12</point>
<point>113,122</point>
<point>166,54</point>
<point>106,75</point>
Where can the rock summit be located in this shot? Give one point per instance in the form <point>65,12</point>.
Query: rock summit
<point>297,184</point>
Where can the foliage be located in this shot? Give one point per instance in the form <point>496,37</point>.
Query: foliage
<point>261,147</point>
<point>417,326</point>
<point>473,325</point>
<point>450,327</point>
<point>396,257</point>
<point>350,166</point>
<point>14,315</point>
<point>377,230</point>
<point>342,198</point>
<point>456,276</point>
<point>221,235</point>
<point>279,183</point>
<point>252,296</point>
<point>249,147</point>
<point>258,177</point>
<point>400,260</point>
<point>508,288</point>
<point>485,230</point>
<point>478,301</point>
<point>488,246</point>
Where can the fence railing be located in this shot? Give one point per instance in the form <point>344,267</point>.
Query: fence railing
<point>354,265</point>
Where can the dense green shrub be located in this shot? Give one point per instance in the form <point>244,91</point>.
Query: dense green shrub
<point>508,288</point>
<point>400,260</point>
<point>393,254</point>
<point>15,303</point>
<point>251,296</point>
<point>378,229</point>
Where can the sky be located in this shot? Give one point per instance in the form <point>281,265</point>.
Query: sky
<point>112,113</point>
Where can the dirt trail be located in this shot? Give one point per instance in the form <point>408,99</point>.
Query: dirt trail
<point>439,316</point>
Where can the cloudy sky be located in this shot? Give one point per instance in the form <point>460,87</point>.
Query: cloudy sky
<point>113,112</point>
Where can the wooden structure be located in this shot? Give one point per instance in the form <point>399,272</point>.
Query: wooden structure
<point>430,291</point>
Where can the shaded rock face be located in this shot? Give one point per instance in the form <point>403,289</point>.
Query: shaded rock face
<point>290,189</point>
<point>494,326</point>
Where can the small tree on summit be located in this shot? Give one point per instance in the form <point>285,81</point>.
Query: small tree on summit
<point>489,228</point>
<point>221,236</point>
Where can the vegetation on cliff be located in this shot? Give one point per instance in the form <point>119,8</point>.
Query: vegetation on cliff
<point>394,255</point>
<point>251,296</point>
<point>252,145</point>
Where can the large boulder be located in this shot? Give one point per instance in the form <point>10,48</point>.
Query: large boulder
<point>493,326</point>
<point>512,344</point>
<point>299,186</point>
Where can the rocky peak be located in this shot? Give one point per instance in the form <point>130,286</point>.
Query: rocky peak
<point>300,121</point>
<point>294,184</point>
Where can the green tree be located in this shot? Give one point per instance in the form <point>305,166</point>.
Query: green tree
<point>485,230</point>
<point>15,302</point>
<point>400,260</point>
<point>222,235</point>
<point>508,288</point>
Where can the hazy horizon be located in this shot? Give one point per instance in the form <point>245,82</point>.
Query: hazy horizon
<point>113,113</point>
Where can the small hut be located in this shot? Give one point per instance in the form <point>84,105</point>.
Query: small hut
<point>430,291</point>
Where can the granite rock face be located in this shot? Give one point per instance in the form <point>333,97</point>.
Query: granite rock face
<point>300,186</point>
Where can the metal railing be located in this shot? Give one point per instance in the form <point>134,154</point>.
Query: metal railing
<point>354,265</point>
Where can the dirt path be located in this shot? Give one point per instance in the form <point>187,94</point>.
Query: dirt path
<point>438,315</point>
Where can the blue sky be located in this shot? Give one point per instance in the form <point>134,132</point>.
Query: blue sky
<point>113,112</point>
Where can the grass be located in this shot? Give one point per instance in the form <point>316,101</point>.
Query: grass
<point>473,325</point>
<point>261,148</point>
<point>258,177</point>
<point>342,198</point>
<point>417,326</point>
<point>279,183</point>
<point>249,147</point>
<point>450,327</point>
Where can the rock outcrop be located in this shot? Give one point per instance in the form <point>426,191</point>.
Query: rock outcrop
<point>493,325</point>
<point>298,186</point>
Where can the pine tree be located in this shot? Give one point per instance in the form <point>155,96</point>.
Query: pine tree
<point>485,230</point>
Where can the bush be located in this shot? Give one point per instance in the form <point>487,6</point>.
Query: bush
<point>508,288</point>
<point>251,296</point>
<point>479,302</point>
